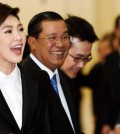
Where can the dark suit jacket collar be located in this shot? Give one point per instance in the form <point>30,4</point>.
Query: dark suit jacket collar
<point>28,95</point>
<point>30,62</point>
<point>6,113</point>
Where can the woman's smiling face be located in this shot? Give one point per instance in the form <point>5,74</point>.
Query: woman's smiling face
<point>12,40</point>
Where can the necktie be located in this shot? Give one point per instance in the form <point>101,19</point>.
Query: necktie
<point>54,83</point>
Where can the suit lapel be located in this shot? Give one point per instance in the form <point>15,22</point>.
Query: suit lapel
<point>57,102</point>
<point>30,63</point>
<point>6,113</point>
<point>64,80</point>
<point>29,95</point>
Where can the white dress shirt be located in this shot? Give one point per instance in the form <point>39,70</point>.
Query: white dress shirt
<point>61,94</point>
<point>11,88</point>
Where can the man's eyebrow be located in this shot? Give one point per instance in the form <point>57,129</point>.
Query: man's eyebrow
<point>66,32</point>
<point>53,34</point>
<point>20,24</point>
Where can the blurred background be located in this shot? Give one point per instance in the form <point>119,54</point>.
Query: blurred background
<point>100,13</point>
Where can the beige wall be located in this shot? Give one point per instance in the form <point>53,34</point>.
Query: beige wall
<point>100,13</point>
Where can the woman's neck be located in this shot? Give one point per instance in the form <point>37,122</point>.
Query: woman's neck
<point>7,69</point>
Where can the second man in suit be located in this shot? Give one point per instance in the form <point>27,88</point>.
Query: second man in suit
<point>49,43</point>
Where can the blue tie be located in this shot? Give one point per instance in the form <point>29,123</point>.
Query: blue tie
<point>54,83</point>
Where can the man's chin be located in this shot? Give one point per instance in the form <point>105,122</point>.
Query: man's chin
<point>73,76</point>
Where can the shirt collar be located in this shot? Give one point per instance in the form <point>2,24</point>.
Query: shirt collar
<point>14,74</point>
<point>42,66</point>
<point>57,75</point>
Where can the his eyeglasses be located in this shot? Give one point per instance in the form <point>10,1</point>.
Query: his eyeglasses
<point>53,38</point>
<point>81,58</point>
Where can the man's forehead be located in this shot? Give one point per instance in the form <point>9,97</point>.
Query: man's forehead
<point>54,27</point>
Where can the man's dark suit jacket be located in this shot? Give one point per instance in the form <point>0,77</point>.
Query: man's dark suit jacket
<point>57,121</point>
<point>111,85</point>
<point>34,94</point>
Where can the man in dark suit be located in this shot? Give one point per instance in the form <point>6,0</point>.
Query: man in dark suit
<point>49,43</point>
<point>82,37</point>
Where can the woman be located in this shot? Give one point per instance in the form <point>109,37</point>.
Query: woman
<point>18,87</point>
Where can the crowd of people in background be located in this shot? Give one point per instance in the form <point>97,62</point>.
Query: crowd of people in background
<point>103,80</point>
<point>40,81</point>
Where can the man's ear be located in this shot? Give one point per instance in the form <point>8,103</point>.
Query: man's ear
<point>32,42</point>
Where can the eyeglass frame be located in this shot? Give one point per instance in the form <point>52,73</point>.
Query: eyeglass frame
<point>53,38</point>
<point>81,58</point>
